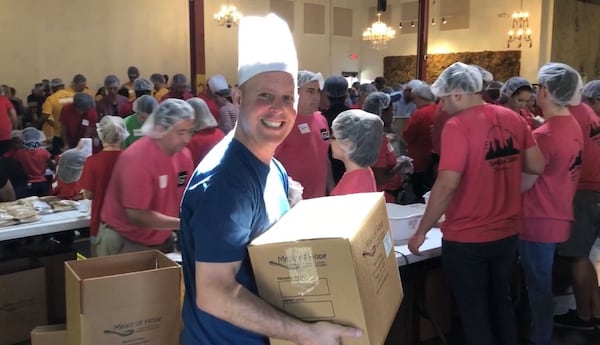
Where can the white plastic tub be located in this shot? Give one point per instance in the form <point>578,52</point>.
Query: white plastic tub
<point>404,220</point>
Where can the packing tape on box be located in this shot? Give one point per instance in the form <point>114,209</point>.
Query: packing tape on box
<point>301,264</point>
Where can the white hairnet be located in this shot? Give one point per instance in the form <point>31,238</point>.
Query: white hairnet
<point>15,133</point>
<point>32,136</point>
<point>413,83</point>
<point>592,89</point>
<point>111,79</point>
<point>458,78</point>
<point>112,130</point>
<point>376,102</point>
<point>423,91</point>
<point>366,88</point>
<point>70,165</point>
<point>486,75</point>
<point>142,84</point>
<point>167,114</point>
<point>203,117</point>
<point>359,134</point>
<point>145,104</point>
<point>513,84</point>
<point>563,83</point>
<point>305,77</point>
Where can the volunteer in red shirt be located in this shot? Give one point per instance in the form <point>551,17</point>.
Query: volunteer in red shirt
<point>355,140</point>
<point>303,153</point>
<point>8,121</point>
<point>141,206</point>
<point>206,130</point>
<point>585,230</point>
<point>417,135</point>
<point>179,88</point>
<point>98,169</point>
<point>68,174</point>
<point>78,120</point>
<point>514,94</point>
<point>485,149</point>
<point>34,159</point>
<point>548,201</point>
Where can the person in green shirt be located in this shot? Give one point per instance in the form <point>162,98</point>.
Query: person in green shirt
<point>143,106</point>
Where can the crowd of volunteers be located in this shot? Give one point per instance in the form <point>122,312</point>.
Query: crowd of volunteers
<point>514,166</point>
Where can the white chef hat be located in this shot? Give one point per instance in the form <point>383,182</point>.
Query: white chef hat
<point>265,45</point>
<point>217,83</point>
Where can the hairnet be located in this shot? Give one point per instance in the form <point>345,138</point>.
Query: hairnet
<point>157,78</point>
<point>413,83</point>
<point>204,119</point>
<point>513,84</point>
<point>111,79</point>
<point>56,82</point>
<point>33,135</point>
<point>376,102</point>
<point>423,91</point>
<point>486,75</point>
<point>112,130</point>
<point>335,86</point>
<point>359,134</point>
<point>458,78</point>
<point>15,133</point>
<point>179,79</point>
<point>83,102</point>
<point>305,77</point>
<point>366,89</point>
<point>145,104</point>
<point>563,83</point>
<point>142,84</point>
<point>70,165</point>
<point>167,114</point>
<point>592,89</point>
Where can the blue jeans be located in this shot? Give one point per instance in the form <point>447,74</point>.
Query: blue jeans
<point>537,259</point>
<point>480,275</point>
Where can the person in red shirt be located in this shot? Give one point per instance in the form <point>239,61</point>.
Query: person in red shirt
<point>179,88</point>
<point>141,205</point>
<point>417,135</point>
<point>112,103</point>
<point>585,230</point>
<point>68,174</point>
<point>206,131</point>
<point>98,169</point>
<point>548,203</point>
<point>355,140</point>
<point>485,149</point>
<point>8,121</point>
<point>514,94</point>
<point>303,153</point>
<point>34,159</point>
<point>78,120</point>
<point>591,95</point>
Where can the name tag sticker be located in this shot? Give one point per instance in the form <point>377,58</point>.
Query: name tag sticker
<point>162,181</point>
<point>85,122</point>
<point>137,132</point>
<point>303,127</point>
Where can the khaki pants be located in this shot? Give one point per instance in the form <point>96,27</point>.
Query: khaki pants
<point>110,242</point>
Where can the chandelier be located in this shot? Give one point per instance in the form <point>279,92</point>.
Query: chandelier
<point>520,30</point>
<point>228,16</point>
<point>378,33</point>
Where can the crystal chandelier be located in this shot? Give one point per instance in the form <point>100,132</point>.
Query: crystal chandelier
<point>378,33</point>
<point>520,30</point>
<point>228,16</point>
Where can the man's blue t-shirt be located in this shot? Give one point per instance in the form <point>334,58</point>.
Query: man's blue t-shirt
<point>231,199</point>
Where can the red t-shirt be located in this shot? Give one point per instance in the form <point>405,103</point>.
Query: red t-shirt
<point>387,160</point>
<point>77,124</point>
<point>145,178</point>
<point>66,190</point>
<point>96,174</point>
<point>303,153</point>
<point>485,144</point>
<point>185,96</point>
<point>439,119</point>
<point>590,126</point>
<point>356,181</point>
<point>528,116</point>
<point>212,106</point>
<point>417,135</point>
<point>34,162</point>
<point>5,121</point>
<point>202,142</point>
<point>127,108</point>
<point>548,205</point>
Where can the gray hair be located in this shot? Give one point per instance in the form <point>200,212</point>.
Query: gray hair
<point>360,135</point>
<point>83,102</point>
<point>166,115</point>
<point>157,78</point>
<point>179,79</point>
<point>112,130</point>
<point>111,79</point>
<point>70,165</point>
<point>145,104</point>
<point>376,102</point>
<point>204,119</point>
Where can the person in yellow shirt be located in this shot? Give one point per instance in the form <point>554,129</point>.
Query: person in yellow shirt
<point>160,86</point>
<point>79,84</point>
<point>50,119</point>
<point>132,73</point>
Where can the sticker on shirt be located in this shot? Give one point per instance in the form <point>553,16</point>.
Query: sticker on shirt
<point>501,148</point>
<point>181,178</point>
<point>303,127</point>
<point>65,100</point>
<point>324,134</point>
<point>85,122</point>
<point>137,132</point>
<point>162,181</point>
<point>390,148</point>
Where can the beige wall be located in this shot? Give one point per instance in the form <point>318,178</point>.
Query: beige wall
<point>59,38</point>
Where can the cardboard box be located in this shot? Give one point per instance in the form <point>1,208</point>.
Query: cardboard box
<point>123,299</point>
<point>49,335</point>
<point>22,300</point>
<point>332,259</point>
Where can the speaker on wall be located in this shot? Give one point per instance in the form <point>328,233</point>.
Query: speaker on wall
<point>381,5</point>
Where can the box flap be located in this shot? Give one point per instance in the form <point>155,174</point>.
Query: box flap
<point>396,211</point>
<point>344,216</point>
